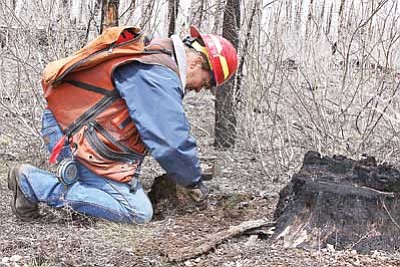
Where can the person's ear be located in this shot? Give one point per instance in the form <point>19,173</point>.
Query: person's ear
<point>193,63</point>
<point>196,60</point>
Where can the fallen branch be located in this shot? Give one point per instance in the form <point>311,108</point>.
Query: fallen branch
<point>213,240</point>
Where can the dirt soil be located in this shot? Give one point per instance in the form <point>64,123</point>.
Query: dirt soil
<point>240,192</point>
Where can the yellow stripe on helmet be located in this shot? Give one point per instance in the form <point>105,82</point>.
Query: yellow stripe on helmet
<point>199,48</point>
<point>224,65</point>
<point>222,59</point>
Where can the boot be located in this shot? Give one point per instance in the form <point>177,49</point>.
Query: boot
<point>20,205</point>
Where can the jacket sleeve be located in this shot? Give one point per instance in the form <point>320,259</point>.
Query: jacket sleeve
<point>153,96</point>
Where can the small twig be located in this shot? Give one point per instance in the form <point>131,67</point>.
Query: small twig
<point>362,238</point>
<point>390,216</point>
<point>388,194</point>
<point>270,3</point>
<point>200,128</point>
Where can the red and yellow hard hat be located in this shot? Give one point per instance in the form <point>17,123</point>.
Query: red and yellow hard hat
<point>221,54</point>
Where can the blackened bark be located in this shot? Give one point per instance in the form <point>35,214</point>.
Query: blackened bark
<point>338,201</point>
<point>225,115</point>
<point>172,15</point>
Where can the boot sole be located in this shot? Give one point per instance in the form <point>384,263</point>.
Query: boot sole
<point>13,186</point>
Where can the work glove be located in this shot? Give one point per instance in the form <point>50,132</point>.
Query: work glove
<point>198,192</point>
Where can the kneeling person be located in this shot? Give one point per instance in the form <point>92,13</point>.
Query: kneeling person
<point>108,117</point>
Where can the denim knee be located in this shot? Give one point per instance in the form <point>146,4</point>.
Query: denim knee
<point>148,215</point>
<point>142,216</point>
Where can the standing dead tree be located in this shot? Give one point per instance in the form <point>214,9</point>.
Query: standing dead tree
<point>198,13</point>
<point>147,12</point>
<point>254,10</point>
<point>172,14</point>
<point>341,18</point>
<point>225,118</point>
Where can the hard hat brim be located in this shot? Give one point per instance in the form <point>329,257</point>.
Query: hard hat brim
<point>194,32</point>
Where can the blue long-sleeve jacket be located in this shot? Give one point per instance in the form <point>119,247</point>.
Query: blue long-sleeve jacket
<point>153,95</point>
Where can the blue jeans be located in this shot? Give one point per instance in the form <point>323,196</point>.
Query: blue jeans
<point>91,194</point>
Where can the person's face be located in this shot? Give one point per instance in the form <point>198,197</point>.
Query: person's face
<point>198,74</point>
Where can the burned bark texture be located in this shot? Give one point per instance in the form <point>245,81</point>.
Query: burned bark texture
<point>342,202</point>
<point>168,197</point>
<point>163,188</point>
<point>225,114</point>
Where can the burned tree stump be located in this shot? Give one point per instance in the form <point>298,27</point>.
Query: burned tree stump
<point>338,201</point>
<point>166,196</point>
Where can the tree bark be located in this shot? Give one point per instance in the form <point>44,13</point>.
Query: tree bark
<point>172,15</point>
<point>147,12</point>
<point>297,20</point>
<point>217,16</point>
<point>329,20</point>
<point>309,18</point>
<point>109,14</point>
<point>198,12</point>
<point>342,202</point>
<point>225,117</point>
<point>341,18</point>
<point>239,73</point>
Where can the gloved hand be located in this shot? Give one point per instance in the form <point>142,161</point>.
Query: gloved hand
<point>198,193</point>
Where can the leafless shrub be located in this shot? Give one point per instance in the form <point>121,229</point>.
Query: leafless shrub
<point>307,89</point>
<point>31,35</point>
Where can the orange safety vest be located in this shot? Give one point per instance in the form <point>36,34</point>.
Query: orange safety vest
<point>96,120</point>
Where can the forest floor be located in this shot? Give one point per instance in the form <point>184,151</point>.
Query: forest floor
<point>240,191</point>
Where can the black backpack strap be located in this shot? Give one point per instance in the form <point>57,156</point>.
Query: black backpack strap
<point>88,117</point>
<point>109,97</point>
<point>90,87</point>
<point>110,138</point>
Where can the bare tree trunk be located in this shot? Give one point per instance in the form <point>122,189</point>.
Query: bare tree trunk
<point>198,7</point>
<point>66,6</point>
<point>239,73</point>
<point>370,23</point>
<point>298,8</point>
<point>321,18</point>
<point>172,15</point>
<point>329,21</point>
<point>109,14</point>
<point>147,12</point>
<point>225,116</point>
<point>309,18</point>
<point>341,18</point>
<point>128,11</point>
<point>217,16</point>
<point>289,13</point>
<point>322,11</point>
